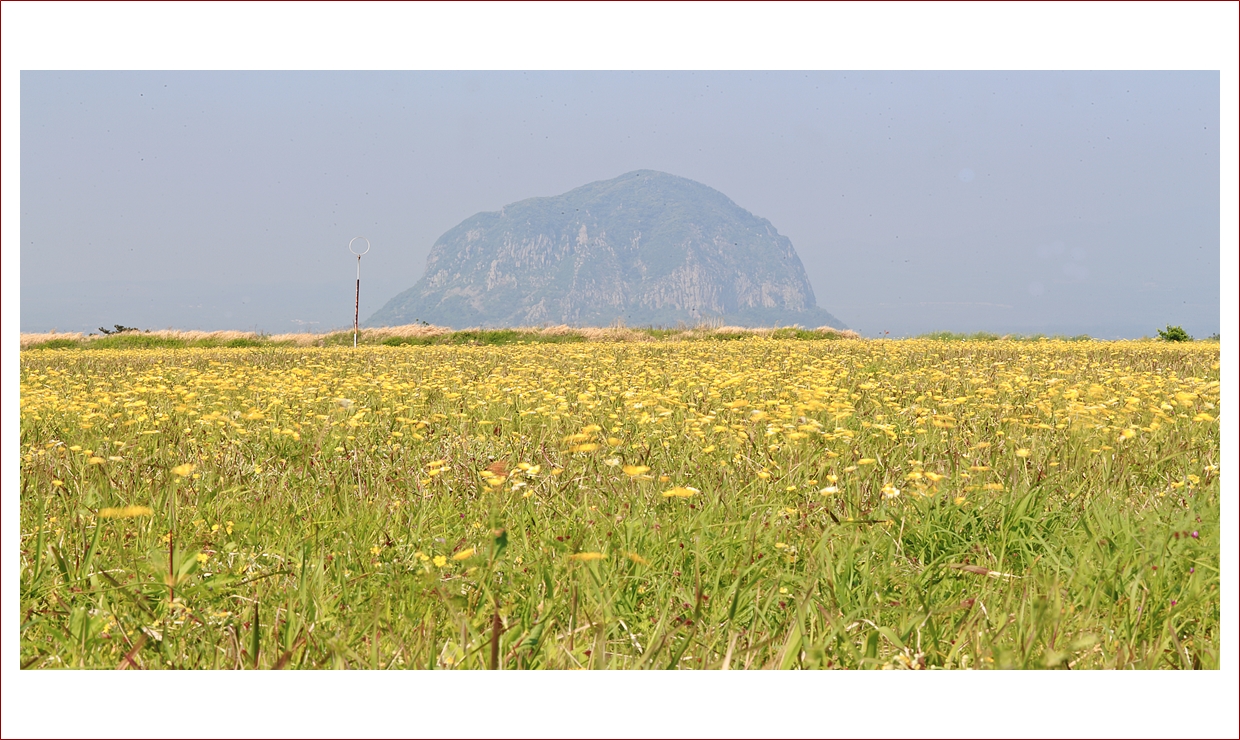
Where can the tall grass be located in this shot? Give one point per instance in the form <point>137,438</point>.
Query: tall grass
<point>985,336</point>
<point>415,335</point>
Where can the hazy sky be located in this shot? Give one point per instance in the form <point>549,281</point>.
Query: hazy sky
<point>918,201</point>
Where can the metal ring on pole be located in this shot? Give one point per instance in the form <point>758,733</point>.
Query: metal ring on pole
<point>364,251</point>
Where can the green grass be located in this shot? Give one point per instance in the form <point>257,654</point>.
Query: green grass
<point>408,341</point>
<point>320,527</point>
<point>490,338</point>
<point>144,341</point>
<point>244,342</point>
<point>136,341</point>
<point>57,344</point>
<point>470,337</point>
<point>985,336</point>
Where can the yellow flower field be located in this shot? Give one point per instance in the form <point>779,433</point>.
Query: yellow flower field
<point>706,504</point>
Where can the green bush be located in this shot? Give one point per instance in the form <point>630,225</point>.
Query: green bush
<point>726,336</point>
<point>118,329</point>
<point>136,341</point>
<point>553,338</point>
<point>57,344</point>
<point>407,341</point>
<point>1174,334</point>
<point>339,339</point>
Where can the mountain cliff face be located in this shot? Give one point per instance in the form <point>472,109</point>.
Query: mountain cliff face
<point>646,248</point>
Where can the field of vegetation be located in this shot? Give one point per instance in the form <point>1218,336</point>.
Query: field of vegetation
<point>757,503</point>
<point>413,335</point>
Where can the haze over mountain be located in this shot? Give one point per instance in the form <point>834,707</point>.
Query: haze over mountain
<point>646,248</point>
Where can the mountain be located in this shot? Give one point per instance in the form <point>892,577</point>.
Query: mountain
<point>646,248</point>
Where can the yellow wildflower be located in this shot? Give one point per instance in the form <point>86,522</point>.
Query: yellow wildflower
<point>124,512</point>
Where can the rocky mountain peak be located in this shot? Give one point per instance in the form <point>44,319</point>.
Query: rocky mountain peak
<point>646,248</point>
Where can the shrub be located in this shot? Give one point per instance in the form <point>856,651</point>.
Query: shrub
<point>136,341</point>
<point>338,339</point>
<point>57,344</point>
<point>407,341</point>
<point>119,329</point>
<point>792,332</point>
<point>1174,334</point>
<point>725,336</point>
